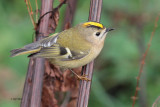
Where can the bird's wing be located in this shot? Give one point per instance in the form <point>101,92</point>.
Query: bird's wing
<point>49,41</point>
<point>73,55</point>
<point>51,49</point>
<point>35,47</point>
<point>46,42</point>
<point>62,53</point>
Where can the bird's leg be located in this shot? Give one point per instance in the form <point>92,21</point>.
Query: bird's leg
<point>83,77</point>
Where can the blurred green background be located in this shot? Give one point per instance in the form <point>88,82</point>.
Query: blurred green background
<point>116,69</point>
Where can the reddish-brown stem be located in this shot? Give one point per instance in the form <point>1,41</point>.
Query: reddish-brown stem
<point>69,14</point>
<point>84,91</point>
<point>34,80</point>
<point>29,8</point>
<point>143,62</point>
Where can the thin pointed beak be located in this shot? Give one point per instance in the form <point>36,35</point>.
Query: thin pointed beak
<point>109,29</point>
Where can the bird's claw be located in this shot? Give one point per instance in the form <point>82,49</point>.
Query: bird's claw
<point>83,77</point>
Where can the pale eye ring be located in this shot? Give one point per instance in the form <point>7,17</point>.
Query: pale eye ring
<point>98,33</point>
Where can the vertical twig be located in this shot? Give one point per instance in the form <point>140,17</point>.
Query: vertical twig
<point>33,84</point>
<point>141,46</point>
<point>94,15</point>
<point>143,62</point>
<point>155,104</point>
<point>69,14</point>
<point>30,13</point>
<point>36,11</point>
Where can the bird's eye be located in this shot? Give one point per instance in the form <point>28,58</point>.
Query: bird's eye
<point>98,33</point>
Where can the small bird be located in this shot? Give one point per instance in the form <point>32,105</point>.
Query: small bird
<point>70,48</point>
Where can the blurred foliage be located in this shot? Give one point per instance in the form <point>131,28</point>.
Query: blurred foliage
<point>116,68</point>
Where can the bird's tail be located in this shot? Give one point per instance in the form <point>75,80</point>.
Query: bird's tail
<point>28,49</point>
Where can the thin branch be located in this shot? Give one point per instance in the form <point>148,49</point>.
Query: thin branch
<point>143,61</point>
<point>36,11</point>
<point>30,13</point>
<point>84,91</point>
<point>155,104</point>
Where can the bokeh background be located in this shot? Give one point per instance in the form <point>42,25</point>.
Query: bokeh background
<point>116,69</point>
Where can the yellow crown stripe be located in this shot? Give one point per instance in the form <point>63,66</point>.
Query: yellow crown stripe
<point>93,24</point>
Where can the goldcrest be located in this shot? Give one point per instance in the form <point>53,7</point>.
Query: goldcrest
<point>70,48</point>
